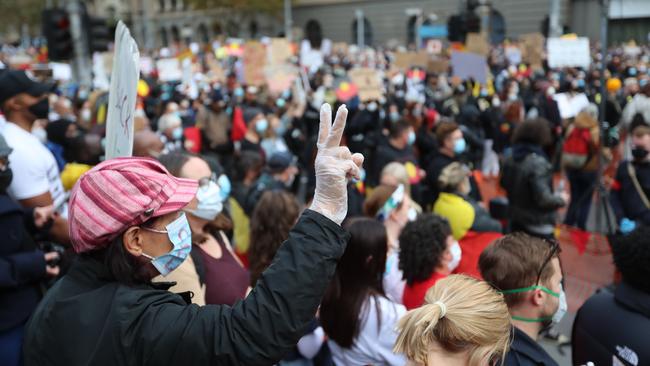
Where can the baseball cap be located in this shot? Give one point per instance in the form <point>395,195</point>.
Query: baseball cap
<point>280,161</point>
<point>5,150</point>
<point>14,82</point>
<point>120,193</point>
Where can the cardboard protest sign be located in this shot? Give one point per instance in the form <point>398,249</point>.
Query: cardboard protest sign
<point>367,82</point>
<point>339,48</point>
<point>438,66</point>
<point>532,49</point>
<point>254,61</point>
<point>477,43</point>
<point>279,51</point>
<point>280,77</point>
<point>468,65</point>
<point>122,95</point>
<point>405,60</point>
<point>169,69</point>
<point>568,52</point>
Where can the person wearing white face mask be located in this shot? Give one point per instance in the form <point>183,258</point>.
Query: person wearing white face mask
<point>170,130</point>
<point>393,206</point>
<point>215,265</point>
<point>527,271</point>
<point>428,253</point>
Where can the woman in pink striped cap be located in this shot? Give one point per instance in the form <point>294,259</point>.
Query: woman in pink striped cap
<point>127,225</point>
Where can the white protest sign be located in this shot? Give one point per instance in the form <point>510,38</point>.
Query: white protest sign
<point>169,69</point>
<point>122,94</point>
<point>568,52</point>
<point>61,71</point>
<point>570,105</point>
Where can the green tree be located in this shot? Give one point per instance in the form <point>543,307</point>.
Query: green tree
<point>245,6</point>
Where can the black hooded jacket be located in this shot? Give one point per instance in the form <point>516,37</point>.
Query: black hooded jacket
<point>88,318</point>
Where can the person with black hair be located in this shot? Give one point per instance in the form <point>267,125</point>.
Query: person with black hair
<point>528,180</point>
<point>398,147</point>
<point>621,337</point>
<point>631,187</point>
<point>357,316</point>
<point>428,252</point>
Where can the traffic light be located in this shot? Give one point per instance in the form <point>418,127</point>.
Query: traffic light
<point>472,22</point>
<point>455,29</point>
<point>56,28</point>
<point>98,33</point>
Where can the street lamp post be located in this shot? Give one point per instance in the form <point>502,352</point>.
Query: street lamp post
<point>360,29</point>
<point>288,22</point>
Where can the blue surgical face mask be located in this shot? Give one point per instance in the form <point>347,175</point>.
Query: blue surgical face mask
<point>210,203</point>
<point>261,126</point>
<point>239,92</point>
<point>280,103</point>
<point>459,146</point>
<point>226,187</point>
<point>177,133</point>
<point>394,116</point>
<point>411,138</point>
<point>180,235</point>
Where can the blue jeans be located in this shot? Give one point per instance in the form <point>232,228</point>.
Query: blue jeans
<point>11,346</point>
<point>582,189</point>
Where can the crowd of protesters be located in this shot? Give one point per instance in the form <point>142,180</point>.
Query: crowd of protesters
<point>286,250</point>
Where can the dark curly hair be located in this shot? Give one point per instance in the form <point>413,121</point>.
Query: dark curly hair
<point>632,257</point>
<point>422,243</point>
<point>533,131</point>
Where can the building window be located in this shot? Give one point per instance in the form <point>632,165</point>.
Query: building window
<point>176,34</point>
<point>410,28</point>
<point>203,33</point>
<point>161,5</point>
<point>164,38</point>
<point>367,32</point>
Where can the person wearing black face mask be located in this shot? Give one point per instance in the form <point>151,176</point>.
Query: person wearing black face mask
<point>631,188</point>
<point>36,181</point>
<point>22,266</point>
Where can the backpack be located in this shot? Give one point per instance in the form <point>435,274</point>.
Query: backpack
<point>576,149</point>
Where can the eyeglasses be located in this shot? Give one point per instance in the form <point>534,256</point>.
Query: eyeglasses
<point>205,181</point>
<point>555,250</point>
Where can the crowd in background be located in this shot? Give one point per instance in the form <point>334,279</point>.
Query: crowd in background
<point>416,218</point>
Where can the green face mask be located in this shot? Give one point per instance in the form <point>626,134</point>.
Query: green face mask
<point>532,288</point>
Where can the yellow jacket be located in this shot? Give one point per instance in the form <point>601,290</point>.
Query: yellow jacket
<point>457,211</point>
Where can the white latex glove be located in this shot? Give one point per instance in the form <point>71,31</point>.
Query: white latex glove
<point>334,165</point>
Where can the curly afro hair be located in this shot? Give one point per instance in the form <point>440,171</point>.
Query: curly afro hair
<point>632,257</point>
<point>422,243</point>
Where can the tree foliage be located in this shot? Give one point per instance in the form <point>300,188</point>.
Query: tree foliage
<point>244,6</point>
<point>16,13</point>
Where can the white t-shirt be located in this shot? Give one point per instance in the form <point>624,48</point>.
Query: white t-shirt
<point>373,345</point>
<point>394,282</point>
<point>34,168</point>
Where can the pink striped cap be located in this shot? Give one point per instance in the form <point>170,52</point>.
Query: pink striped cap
<point>120,193</point>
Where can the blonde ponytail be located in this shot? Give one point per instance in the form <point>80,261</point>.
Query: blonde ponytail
<point>460,314</point>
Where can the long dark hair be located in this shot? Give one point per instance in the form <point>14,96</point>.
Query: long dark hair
<point>358,275</point>
<point>272,219</point>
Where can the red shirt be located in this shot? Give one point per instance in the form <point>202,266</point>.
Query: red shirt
<point>414,294</point>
